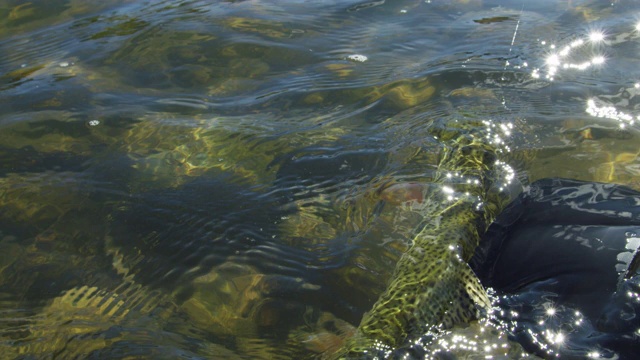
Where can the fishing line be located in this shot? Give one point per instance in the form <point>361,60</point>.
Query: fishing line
<point>515,32</point>
<point>513,41</point>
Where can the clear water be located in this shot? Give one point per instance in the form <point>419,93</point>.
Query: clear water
<point>202,179</point>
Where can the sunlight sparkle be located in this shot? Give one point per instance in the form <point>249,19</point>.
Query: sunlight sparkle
<point>596,36</point>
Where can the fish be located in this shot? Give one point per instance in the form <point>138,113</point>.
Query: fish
<point>433,287</point>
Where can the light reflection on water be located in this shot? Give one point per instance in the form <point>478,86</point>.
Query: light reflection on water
<point>238,179</point>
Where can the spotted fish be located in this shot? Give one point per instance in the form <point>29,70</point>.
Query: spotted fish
<point>433,287</point>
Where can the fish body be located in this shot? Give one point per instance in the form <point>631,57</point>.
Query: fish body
<point>432,287</point>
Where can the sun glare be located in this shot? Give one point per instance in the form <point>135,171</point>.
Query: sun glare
<point>598,60</point>
<point>581,53</point>
<point>553,60</point>
<point>596,36</point>
<point>551,311</point>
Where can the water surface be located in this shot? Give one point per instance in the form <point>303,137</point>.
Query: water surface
<point>236,179</point>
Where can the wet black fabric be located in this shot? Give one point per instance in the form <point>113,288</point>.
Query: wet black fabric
<point>555,258</point>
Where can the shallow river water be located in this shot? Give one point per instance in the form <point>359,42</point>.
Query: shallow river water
<point>237,179</point>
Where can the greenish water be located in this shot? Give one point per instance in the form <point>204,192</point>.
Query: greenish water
<point>228,179</point>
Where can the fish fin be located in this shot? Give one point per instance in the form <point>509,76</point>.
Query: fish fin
<point>473,300</point>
